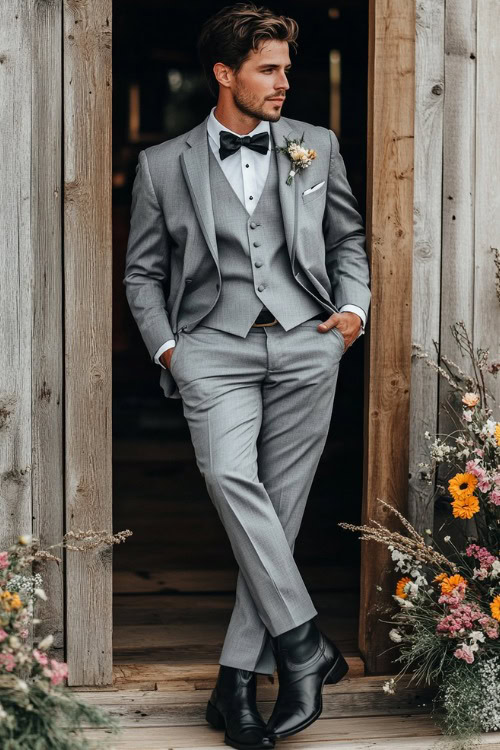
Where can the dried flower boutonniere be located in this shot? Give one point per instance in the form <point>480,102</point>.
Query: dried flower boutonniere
<point>299,156</point>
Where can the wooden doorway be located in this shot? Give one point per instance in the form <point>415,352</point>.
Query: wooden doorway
<point>74,281</point>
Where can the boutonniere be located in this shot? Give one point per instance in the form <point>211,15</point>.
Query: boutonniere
<point>300,157</point>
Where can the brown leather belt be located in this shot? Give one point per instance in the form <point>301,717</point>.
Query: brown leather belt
<point>264,318</point>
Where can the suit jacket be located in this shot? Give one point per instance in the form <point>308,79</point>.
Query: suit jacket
<point>172,273</point>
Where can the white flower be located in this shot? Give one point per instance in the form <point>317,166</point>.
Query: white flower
<point>14,641</point>
<point>388,686</point>
<point>447,539</point>
<point>402,602</point>
<point>395,635</point>
<point>475,636</point>
<point>25,539</point>
<point>40,593</point>
<point>22,685</point>
<point>46,642</point>
<point>495,569</point>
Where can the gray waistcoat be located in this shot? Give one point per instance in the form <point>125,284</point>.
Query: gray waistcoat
<point>254,260</point>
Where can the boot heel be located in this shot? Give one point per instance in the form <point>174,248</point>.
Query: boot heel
<point>339,670</point>
<point>214,716</point>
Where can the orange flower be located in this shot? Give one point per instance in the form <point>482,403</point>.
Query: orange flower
<point>440,577</point>
<point>465,507</point>
<point>400,587</point>
<point>470,399</point>
<point>462,485</point>
<point>497,433</point>
<point>449,583</point>
<point>495,607</point>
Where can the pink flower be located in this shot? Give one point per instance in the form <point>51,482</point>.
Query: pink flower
<point>465,653</point>
<point>496,478</point>
<point>3,635</point>
<point>467,415</point>
<point>24,633</point>
<point>59,671</point>
<point>40,656</point>
<point>8,661</point>
<point>479,452</point>
<point>484,484</point>
<point>482,554</point>
<point>473,467</point>
<point>4,560</point>
<point>494,497</point>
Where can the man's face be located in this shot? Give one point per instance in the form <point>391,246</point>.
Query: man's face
<point>260,86</point>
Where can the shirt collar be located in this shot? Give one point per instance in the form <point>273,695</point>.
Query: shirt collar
<point>214,127</point>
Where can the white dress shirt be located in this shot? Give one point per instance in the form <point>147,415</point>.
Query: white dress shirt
<point>246,171</point>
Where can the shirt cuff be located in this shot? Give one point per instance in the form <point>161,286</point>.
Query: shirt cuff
<point>359,311</point>
<point>163,348</point>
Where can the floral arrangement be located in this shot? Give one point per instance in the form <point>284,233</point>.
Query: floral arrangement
<point>300,157</point>
<point>447,624</point>
<point>37,710</point>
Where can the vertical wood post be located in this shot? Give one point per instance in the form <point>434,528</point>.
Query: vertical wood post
<point>88,283</point>
<point>391,100</point>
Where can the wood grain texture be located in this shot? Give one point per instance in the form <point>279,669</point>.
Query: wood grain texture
<point>486,331</point>
<point>88,284</point>
<point>426,294</point>
<point>17,196</point>
<point>47,335</point>
<point>391,101</point>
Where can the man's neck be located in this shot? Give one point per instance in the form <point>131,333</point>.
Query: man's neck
<point>235,121</point>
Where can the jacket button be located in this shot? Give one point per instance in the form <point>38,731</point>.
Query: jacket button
<point>258,263</point>
<point>256,244</point>
<point>261,287</point>
<point>252,225</point>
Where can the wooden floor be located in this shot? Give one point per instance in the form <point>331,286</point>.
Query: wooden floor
<point>166,647</point>
<point>173,592</point>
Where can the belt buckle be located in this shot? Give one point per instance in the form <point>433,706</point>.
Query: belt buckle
<point>260,325</point>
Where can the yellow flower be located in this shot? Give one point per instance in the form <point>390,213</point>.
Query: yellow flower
<point>449,583</point>
<point>497,433</point>
<point>10,601</point>
<point>495,607</point>
<point>400,587</point>
<point>470,399</point>
<point>462,485</point>
<point>465,507</point>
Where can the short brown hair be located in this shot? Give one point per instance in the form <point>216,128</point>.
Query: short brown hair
<point>235,30</point>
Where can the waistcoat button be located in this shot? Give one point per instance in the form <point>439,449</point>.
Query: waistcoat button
<point>258,263</point>
<point>261,287</point>
<point>256,244</point>
<point>252,225</point>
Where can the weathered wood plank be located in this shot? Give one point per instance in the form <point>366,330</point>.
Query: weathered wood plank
<point>17,196</point>
<point>426,294</point>
<point>88,285</point>
<point>333,731</point>
<point>391,101</point>
<point>487,185</point>
<point>47,336</point>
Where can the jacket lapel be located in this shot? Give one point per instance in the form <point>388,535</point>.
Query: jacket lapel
<point>195,167</point>
<point>194,162</point>
<point>288,194</point>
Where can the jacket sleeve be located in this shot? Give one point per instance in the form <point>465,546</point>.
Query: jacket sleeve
<point>346,259</point>
<point>147,264</point>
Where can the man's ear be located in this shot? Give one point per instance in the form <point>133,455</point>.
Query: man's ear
<point>223,74</point>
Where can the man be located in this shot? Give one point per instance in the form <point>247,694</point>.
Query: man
<point>248,285</point>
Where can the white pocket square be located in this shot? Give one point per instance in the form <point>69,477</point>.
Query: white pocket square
<point>313,188</point>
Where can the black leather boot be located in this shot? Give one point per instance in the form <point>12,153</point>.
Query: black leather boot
<point>305,660</point>
<point>233,707</point>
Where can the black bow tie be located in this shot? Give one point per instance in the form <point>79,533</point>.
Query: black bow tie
<point>230,143</point>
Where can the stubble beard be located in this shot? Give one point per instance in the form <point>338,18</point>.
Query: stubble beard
<point>248,104</point>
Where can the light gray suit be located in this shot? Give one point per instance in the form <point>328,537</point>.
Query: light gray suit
<point>258,401</point>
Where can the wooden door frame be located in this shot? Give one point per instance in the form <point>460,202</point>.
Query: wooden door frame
<point>87,313</point>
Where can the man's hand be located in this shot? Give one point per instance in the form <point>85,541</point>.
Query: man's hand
<point>166,357</point>
<point>348,323</point>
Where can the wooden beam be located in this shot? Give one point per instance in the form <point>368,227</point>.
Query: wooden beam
<point>391,105</point>
<point>87,274</point>
<point>47,335</point>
